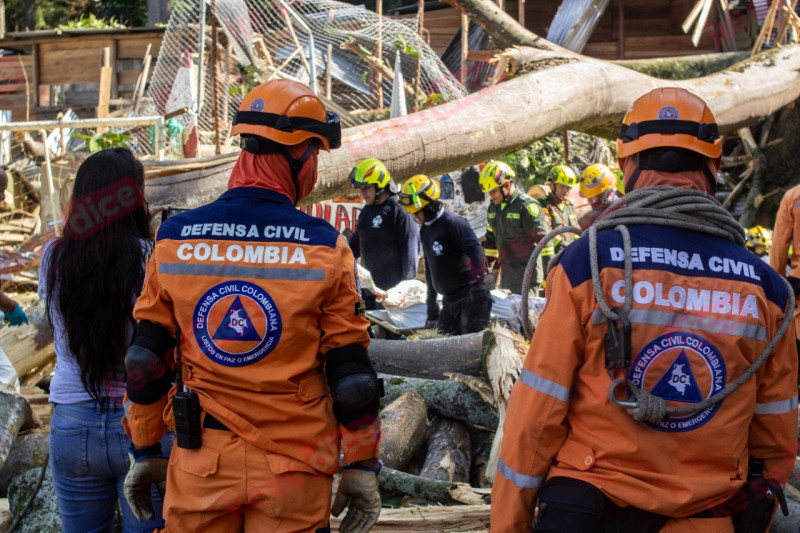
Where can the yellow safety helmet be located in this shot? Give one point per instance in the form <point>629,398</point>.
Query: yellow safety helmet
<point>371,172</point>
<point>564,175</point>
<point>759,240</point>
<point>418,191</point>
<point>493,174</point>
<point>597,179</point>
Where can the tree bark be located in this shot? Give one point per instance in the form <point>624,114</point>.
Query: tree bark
<point>432,490</point>
<point>429,358</point>
<point>449,451</point>
<point>15,416</point>
<point>445,398</point>
<point>404,423</point>
<point>554,98</point>
<point>28,451</point>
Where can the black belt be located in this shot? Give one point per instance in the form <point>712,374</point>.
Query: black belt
<point>212,423</point>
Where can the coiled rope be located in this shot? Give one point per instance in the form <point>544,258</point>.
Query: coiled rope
<point>673,207</point>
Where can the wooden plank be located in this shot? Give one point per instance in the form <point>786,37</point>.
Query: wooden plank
<point>35,78</point>
<point>136,48</point>
<point>474,518</point>
<point>104,94</point>
<point>128,77</point>
<point>113,64</point>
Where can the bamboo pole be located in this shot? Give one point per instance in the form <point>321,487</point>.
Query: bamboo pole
<point>214,84</point>
<point>379,53</point>
<point>328,75</point>
<point>464,47</point>
<point>766,28</point>
<point>418,76</point>
<point>521,12</point>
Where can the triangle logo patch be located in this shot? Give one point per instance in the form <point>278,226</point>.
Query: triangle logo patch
<point>678,382</point>
<point>236,326</point>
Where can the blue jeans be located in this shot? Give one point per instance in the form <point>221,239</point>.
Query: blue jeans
<point>89,459</point>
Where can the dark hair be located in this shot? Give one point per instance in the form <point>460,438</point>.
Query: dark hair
<point>96,267</point>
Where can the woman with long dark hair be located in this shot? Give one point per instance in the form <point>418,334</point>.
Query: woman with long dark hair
<point>90,278</point>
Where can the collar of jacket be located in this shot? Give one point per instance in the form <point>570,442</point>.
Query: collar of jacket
<point>256,192</point>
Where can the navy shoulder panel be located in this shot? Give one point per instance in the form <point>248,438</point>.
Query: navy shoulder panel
<point>683,252</point>
<point>249,219</point>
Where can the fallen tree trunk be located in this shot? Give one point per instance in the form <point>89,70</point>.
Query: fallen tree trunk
<point>449,451</point>
<point>432,490</point>
<point>429,358</point>
<point>404,423</point>
<point>478,127</point>
<point>445,398</point>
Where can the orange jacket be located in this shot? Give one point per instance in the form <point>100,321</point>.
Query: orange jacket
<point>787,235</point>
<point>703,310</point>
<point>260,292</point>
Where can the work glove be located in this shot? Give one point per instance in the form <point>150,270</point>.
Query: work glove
<point>148,467</point>
<point>358,491</point>
<point>17,316</point>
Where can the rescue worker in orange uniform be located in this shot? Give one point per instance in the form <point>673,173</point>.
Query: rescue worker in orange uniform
<point>701,311</point>
<point>786,238</point>
<point>272,346</point>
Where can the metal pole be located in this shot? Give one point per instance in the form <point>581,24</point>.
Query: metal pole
<point>158,148</point>
<point>50,188</point>
<point>312,63</point>
<point>201,50</point>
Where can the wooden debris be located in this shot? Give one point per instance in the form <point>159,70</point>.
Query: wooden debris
<point>404,424</point>
<point>474,518</point>
<point>449,451</point>
<point>445,398</point>
<point>432,490</point>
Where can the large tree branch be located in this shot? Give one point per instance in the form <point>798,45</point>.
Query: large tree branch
<point>508,116</point>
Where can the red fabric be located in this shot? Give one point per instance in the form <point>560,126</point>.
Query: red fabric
<point>271,171</point>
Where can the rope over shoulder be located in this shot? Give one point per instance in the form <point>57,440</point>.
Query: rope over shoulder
<point>681,208</point>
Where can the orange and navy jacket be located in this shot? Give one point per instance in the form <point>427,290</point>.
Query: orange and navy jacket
<point>260,292</point>
<point>785,236</point>
<point>703,310</point>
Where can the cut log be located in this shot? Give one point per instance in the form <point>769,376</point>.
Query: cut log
<point>15,416</point>
<point>445,398</point>
<point>404,423</point>
<point>429,358</point>
<point>432,490</point>
<point>29,451</point>
<point>427,519</point>
<point>449,451</point>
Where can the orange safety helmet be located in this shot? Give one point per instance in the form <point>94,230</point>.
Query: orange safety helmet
<point>287,112</point>
<point>669,117</point>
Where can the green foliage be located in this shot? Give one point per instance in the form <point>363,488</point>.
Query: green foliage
<point>102,141</point>
<point>532,163</point>
<point>70,14</point>
<point>91,21</point>
<point>401,44</point>
<point>249,77</point>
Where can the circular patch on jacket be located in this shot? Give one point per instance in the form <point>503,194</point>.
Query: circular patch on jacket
<point>668,113</point>
<point>236,323</point>
<point>684,369</point>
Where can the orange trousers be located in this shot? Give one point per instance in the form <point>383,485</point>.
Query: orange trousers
<point>231,486</point>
